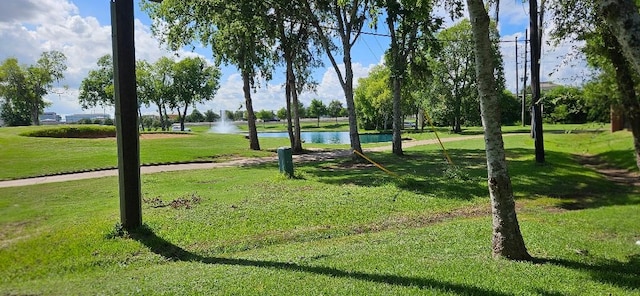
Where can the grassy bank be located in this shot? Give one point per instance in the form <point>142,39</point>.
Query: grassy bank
<point>29,156</point>
<point>339,228</point>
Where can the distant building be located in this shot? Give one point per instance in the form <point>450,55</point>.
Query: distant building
<point>173,117</point>
<point>73,118</point>
<point>548,85</point>
<point>49,118</point>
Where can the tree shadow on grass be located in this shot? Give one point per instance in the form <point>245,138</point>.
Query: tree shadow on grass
<point>620,274</point>
<point>420,172</point>
<point>427,172</point>
<point>170,251</point>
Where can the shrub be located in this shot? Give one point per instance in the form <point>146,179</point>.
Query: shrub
<point>81,131</point>
<point>85,121</point>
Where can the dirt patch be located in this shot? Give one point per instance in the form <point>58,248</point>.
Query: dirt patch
<point>403,222</point>
<point>13,232</point>
<point>583,200</point>
<point>162,136</point>
<point>616,175</point>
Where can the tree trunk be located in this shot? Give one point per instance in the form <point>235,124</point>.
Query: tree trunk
<point>536,102</point>
<point>347,81</point>
<point>626,88</point>
<point>287,90</point>
<point>35,112</point>
<point>623,20</point>
<point>397,72</point>
<point>456,125</point>
<point>183,116</point>
<point>351,106</point>
<point>297,147</point>
<point>397,117</point>
<point>290,91</point>
<point>161,117</point>
<point>166,124</point>
<point>507,239</point>
<point>140,119</point>
<point>254,144</point>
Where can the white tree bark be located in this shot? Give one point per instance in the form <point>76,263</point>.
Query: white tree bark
<point>507,239</point>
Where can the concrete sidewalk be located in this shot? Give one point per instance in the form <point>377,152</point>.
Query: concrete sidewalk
<point>316,156</point>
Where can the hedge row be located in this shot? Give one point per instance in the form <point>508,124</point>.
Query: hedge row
<point>81,131</point>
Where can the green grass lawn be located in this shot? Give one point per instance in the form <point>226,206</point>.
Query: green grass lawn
<point>339,228</point>
<point>28,156</point>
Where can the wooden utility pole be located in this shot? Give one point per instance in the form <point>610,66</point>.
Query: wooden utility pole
<point>126,107</point>
<point>524,79</point>
<point>536,102</point>
<point>517,76</point>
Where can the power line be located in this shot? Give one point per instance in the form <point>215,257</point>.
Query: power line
<point>367,44</point>
<point>430,39</point>
<point>376,34</point>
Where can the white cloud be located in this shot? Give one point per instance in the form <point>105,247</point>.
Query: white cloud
<point>57,25</point>
<point>271,96</point>
<point>329,87</point>
<point>35,11</point>
<point>513,14</point>
<point>29,27</point>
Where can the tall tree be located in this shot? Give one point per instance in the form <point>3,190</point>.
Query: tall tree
<point>586,20</point>
<point>536,101</point>
<point>299,47</point>
<point>193,82</point>
<point>264,116</point>
<point>452,93</point>
<point>210,116</point>
<point>409,23</point>
<point>145,87</point>
<point>282,113</point>
<point>195,116</point>
<point>344,19</point>
<point>24,87</point>
<point>623,19</point>
<point>239,33</point>
<point>49,68</point>
<point>507,239</point>
<point>374,99</point>
<point>97,88</point>
<point>15,110</point>
<point>454,78</point>
<point>317,109</point>
<point>335,109</point>
<point>162,70</point>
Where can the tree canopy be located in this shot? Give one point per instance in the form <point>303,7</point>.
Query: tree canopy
<point>23,88</point>
<point>97,88</point>
<point>193,82</point>
<point>240,33</point>
<point>317,109</point>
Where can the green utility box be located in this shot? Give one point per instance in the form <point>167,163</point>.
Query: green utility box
<point>285,161</point>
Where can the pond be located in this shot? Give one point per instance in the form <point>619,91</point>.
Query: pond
<point>330,137</point>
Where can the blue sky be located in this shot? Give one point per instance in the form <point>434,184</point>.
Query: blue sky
<point>81,30</point>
